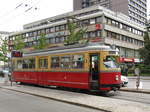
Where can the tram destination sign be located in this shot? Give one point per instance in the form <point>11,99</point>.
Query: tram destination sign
<point>16,54</point>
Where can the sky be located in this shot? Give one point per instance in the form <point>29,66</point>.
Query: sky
<point>15,13</point>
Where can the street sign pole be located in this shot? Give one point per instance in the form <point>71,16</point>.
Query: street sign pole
<point>137,72</point>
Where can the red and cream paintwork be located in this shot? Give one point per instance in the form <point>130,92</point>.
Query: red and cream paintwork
<point>109,78</point>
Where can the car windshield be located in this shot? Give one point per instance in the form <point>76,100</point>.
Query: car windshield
<point>110,62</point>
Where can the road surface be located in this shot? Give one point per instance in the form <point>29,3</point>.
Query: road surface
<point>11,101</point>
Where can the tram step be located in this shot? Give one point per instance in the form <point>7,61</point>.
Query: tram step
<point>94,85</point>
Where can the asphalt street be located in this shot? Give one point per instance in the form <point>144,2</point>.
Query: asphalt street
<point>11,101</point>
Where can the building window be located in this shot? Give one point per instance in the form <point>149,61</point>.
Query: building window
<point>43,31</point>
<point>52,40</point>
<point>52,29</point>
<point>47,30</point>
<point>85,22</point>
<point>62,27</point>
<point>92,34</point>
<point>92,21</point>
<point>39,32</point>
<point>99,20</point>
<point>57,28</point>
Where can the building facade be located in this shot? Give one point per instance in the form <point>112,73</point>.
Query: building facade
<point>135,9</point>
<point>102,25</point>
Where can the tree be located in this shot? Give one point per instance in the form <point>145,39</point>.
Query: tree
<point>42,43</point>
<point>145,51</point>
<point>19,43</point>
<point>4,50</point>
<point>75,33</point>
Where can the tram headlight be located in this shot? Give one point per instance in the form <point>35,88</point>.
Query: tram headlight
<point>117,77</point>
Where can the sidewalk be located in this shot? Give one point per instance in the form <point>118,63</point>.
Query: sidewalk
<point>96,102</point>
<point>141,77</point>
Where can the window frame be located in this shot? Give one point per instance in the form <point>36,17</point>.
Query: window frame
<point>43,67</point>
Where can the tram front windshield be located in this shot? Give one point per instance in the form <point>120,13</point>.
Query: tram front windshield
<point>110,62</point>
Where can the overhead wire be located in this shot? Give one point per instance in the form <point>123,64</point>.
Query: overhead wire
<point>23,12</point>
<point>12,10</point>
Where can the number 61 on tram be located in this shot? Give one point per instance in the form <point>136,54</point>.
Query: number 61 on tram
<point>92,67</point>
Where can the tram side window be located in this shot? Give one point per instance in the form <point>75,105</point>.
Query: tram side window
<point>19,64</point>
<point>66,62</point>
<point>43,63</point>
<point>78,61</point>
<point>110,62</point>
<point>31,63</point>
<point>55,62</point>
<point>25,63</point>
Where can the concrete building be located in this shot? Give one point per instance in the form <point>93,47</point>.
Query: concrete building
<point>103,25</point>
<point>148,23</point>
<point>135,9</point>
<point>4,34</point>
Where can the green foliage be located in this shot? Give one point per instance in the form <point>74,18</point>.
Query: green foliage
<point>75,33</point>
<point>145,51</point>
<point>4,50</point>
<point>143,66</point>
<point>42,43</point>
<point>19,43</point>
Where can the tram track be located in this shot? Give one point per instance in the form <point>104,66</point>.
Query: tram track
<point>113,97</point>
<point>132,96</point>
<point>122,95</point>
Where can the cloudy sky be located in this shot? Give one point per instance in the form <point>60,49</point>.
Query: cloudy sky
<point>15,13</point>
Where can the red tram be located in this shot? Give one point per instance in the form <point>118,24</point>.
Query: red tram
<point>91,67</point>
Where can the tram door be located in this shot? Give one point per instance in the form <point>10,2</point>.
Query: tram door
<point>94,71</point>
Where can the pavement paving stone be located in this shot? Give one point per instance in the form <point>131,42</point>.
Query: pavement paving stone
<point>147,91</point>
<point>97,102</point>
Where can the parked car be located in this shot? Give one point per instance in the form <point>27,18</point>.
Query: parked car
<point>124,81</point>
<point>6,71</point>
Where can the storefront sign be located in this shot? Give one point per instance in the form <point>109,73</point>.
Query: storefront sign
<point>98,26</point>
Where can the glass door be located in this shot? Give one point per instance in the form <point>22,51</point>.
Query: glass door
<point>94,71</point>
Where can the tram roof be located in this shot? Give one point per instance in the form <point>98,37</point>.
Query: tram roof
<point>71,49</point>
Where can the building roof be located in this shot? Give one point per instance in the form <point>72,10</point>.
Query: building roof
<point>4,32</point>
<point>79,14</point>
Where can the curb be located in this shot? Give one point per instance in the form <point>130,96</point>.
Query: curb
<point>135,90</point>
<point>60,100</point>
<point>142,78</point>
